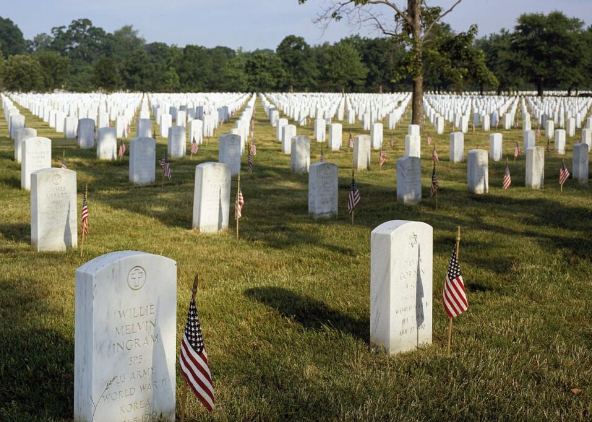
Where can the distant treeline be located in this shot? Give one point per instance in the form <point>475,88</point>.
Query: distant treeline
<point>542,52</point>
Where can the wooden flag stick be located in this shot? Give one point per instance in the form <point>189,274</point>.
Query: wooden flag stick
<point>82,244</point>
<point>450,325</point>
<point>236,205</point>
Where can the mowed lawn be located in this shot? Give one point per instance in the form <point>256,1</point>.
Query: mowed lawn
<point>285,309</point>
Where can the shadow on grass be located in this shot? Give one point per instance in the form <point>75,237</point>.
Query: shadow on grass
<point>18,232</point>
<point>311,313</point>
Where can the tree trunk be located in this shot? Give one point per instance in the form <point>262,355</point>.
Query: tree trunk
<point>569,92</point>
<point>540,87</point>
<point>414,11</point>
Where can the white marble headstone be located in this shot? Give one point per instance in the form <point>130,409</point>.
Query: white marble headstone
<point>477,171</point>
<point>300,154</point>
<point>86,133</point>
<point>35,155</point>
<point>535,167</point>
<point>107,143</point>
<point>211,202</point>
<point>362,152</point>
<point>495,146</point>
<point>457,147</point>
<point>230,152</point>
<point>409,180</point>
<point>142,161</point>
<point>125,338</point>
<point>322,190</point>
<point>580,162</point>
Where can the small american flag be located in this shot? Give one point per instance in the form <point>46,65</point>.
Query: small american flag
<point>435,155</point>
<point>435,186</point>
<point>516,150</point>
<point>194,146</point>
<point>193,360</point>
<point>563,173</point>
<point>63,165</point>
<point>166,167</point>
<point>429,140</point>
<point>351,140</point>
<point>84,215</point>
<point>454,297</point>
<point>382,158</point>
<point>121,149</point>
<point>253,148</point>
<point>239,204</point>
<point>507,179</point>
<point>250,163</point>
<point>354,197</point>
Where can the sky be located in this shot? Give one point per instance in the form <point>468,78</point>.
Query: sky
<point>253,24</point>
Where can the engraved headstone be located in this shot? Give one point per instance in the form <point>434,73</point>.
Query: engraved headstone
<point>580,162</point>
<point>559,141</point>
<point>230,152</point>
<point>535,167</point>
<point>320,129</point>
<point>125,338</point>
<point>142,161</point>
<point>54,217</point>
<point>35,155</point>
<point>401,285</point>
<point>409,180</point>
<point>107,143</point>
<point>362,152</point>
<point>211,202</point>
<point>144,128</point>
<point>278,129</point>
<point>177,144</point>
<point>70,127</point>
<point>376,135</point>
<point>412,145</point>
<point>21,135</point>
<point>196,131</point>
<point>300,154</point>
<point>166,121</point>
<point>86,133</point>
<point>322,190</point>
<point>477,171</point>
<point>529,139</point>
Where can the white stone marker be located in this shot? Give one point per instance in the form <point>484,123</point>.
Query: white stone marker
<point>230,152</point>
<point>457,147</point>
<point>196,131</point>
<point>21,135</point>
<point>288,132</point>
<point>166,121</point>
<point>54,217</point>
<point>70,127</point>
<point>477,171</point>
<point>125,338</point>
<point>376,136</point>
<point>144,128</point>
<point>495,146</point>
<point>16,122</point>
<point>335,136</point>
<point>571,127</point>
<point>35,155</point>
<point>142,161</point>
<point>580,162</point>
<point>211,201</point>
<point>486,123</point>
<point>559,141</point>
<point>535,167</point>
<point>86,133</point>
<point>401,264</point>
<point>439,125</point>
<point>177,144</point>
<point>319,130</point>
<point>107,143</point>
<point>412,145</point>
<point>550,128</point>
<point>529,139</point>
<point>587,137</point>
<point>300,154</point>
<point>362,152</point>
<point>409,180</point>
<point>278,129</point>
<point>322,190</point>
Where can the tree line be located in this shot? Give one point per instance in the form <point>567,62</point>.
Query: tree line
<point>542,52</point>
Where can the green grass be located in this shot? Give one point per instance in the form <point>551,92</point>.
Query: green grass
<point>285,309</point>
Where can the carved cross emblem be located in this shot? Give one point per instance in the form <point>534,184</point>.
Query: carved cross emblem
<point>413,240</point>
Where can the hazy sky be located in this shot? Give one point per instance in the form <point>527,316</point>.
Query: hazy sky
<point>252,24</point>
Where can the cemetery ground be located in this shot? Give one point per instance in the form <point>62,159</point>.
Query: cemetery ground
<point>285,308</point>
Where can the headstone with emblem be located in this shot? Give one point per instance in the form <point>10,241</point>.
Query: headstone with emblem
<point>409,180</point>
<point>401,286</point>
<point>86,133</point>
<point>35,155</point>
<point>54,219</point>
<point>125,338</point>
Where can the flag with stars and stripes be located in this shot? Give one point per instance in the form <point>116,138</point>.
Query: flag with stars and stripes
<point>194,146</point>
<point>239,204</point>
<point>253,148</point>
<point>121,149</point>
<point>166,167</point>
<point>193,360</point>
<point>351,140</point>
<point>382,158</point>
<point>63,165</point>
<point>84,215</point>
<point>435,155</point>
<point>250,163</point>
<point>507,179</point>
<point>434,187</point>
<point>563,173</point>
<point>516,150</point>
<point>354,197</point>
<point>454,297</point>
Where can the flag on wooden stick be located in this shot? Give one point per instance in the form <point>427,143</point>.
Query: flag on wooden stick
<point>84,213</point>
<point>434,187</point>
<point>507,179</point>
<point>351,140</point>
<point>193,360</point>
<point>516,150</point>
<point>239,204</point>
<point>563,173</point>
<point>454,296</point>
<point>253,148</point>
<point>382,158</point>
<point>435,155</point>
<point>194,146</point>
<point>166,167</point>
<point>121,149</point>
<point>354,196</point>
<point>250,163</point>
<point>429,139</point>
